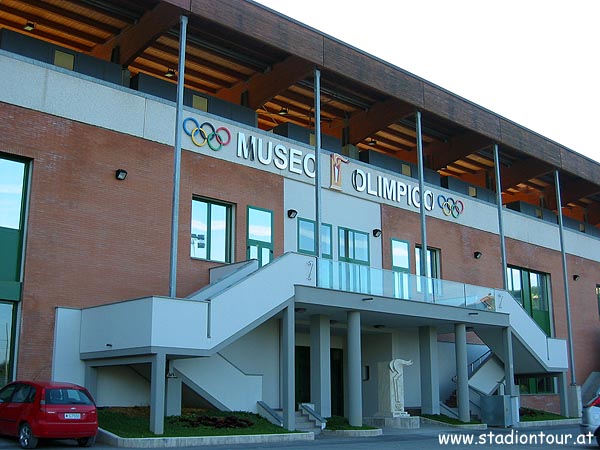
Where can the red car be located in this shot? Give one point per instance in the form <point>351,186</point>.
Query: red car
<point>33,410</point>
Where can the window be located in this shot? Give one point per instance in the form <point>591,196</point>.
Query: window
<point>211,230</point>
<point>598,297</point>
<point>64,60</point>
<point>406,170</point>
<point>432,266</point>
<point>199,102</point>
<point>530,289</point>
<point>535,385</point>
<point>353,246</point>
<point>306,238</point>
<point>401,268</point>
<point>12,178</point>
<point>260,235</point>
<point>472,191</point>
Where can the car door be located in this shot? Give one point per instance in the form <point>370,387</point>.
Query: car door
<point>6,394</point>
<point>18,408</point>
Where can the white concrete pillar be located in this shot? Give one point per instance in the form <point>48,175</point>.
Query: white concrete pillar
<point>157,394</point>
<point>354,370</point>
<point>320,364</point>
<point>430,380</point>
<point>173,401</point>
<point>289,371</point>
<point>462,373</point>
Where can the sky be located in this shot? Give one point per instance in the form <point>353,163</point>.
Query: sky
<point>535,62</point>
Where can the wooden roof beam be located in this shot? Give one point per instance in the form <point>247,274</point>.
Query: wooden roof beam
<point>574,190</point>
<point>456,148</point>
<point>366,123</point>
<point>135,39</point>
<point>263,87</point>
<point>522,171</point>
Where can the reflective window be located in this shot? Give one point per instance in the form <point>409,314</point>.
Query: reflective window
<point>12,175</point>
<point>598,297</point>
<point>260,235</point>
<point>401,268</point>
<point>306,238</point>
<point>7,312</point>
<point>211,231</point>
<point>530,289</point>
<point>432,266</point>
<point>353,246</point>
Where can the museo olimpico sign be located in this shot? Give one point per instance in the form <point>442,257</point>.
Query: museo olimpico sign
<point>297,161</point>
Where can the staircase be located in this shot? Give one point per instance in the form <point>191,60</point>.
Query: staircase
<point>307,419</point>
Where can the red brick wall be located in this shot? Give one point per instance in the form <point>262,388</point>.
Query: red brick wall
<point>457,245</point>
<point>92,239</point>
<point>544,402</point>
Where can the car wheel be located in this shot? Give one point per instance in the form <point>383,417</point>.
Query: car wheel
<point>86,442</point>
<point>26,437</point>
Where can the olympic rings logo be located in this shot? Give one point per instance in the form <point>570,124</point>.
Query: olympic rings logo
<point>450,207</point>
<point>206,134</point>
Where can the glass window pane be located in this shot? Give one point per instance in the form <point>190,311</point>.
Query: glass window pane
<point>6,333</point>
<point>259,225</point>
<point>326,240</point>
<point>306,236</point>
<point>265,256</point>
<point>342,243</point>
<point>11,193</point>
<point>218,233</point>
<point>400,257</point>
<point>199,229</point>
<point>253,252</point>
<point>361,243</point>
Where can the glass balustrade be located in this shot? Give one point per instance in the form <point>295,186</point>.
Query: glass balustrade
<point>350,277</point>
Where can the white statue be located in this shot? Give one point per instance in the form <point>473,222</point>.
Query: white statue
<point>397,386</point>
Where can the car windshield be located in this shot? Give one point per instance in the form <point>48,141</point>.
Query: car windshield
<point>67,396</point>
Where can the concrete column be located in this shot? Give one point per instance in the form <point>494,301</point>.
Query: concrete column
<point>320,364</point>
<point>91,380</point>
<point>563,394</point>
<point>288,374</point>
<point>430,380</point>
<point>462,373</point>
<point>157,394</point>
<point>173,401</point>
<point>354,370</point>
<point>509,373</point>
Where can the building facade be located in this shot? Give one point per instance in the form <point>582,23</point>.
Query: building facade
<point>262,317</point>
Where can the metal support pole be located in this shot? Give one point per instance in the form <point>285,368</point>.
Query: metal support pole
<point>177,158</point>
<point>317,91</point>
<point>422,196</point>
<point>565,279</point>
<point>500,216</point>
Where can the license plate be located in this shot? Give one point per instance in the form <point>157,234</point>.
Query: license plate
<point>72,416</point>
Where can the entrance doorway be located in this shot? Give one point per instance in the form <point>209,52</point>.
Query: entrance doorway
<point>337,378</point>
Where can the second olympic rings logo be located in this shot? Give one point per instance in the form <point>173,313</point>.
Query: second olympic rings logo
<point>206,133</point>
<point>450,207</point>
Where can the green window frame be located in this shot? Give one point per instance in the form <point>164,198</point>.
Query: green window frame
<point>260,224</point>
<point>211,230</point>
<point>353,246</point>
<point>306,238</point>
